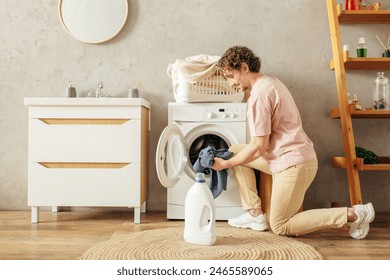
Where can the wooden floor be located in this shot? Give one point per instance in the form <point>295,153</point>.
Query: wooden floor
<point>66,235</point>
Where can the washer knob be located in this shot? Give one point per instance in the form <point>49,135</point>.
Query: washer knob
<point>232,115</point>
<point>210,115</point>
<point>225,116</point>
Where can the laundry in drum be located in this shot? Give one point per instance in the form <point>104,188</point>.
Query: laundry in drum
<point>204,141</point>
<point>218,179</point>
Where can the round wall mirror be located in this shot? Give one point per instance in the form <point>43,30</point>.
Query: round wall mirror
<point>93,21</point>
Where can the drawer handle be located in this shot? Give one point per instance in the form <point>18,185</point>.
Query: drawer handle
<point>115,165</point>
<point>84,121</point>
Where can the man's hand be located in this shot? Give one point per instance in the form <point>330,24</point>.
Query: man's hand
<point>219,164</point>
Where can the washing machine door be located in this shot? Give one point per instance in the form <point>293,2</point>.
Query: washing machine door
<point>171,156</point>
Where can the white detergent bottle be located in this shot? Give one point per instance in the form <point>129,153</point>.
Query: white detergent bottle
<point>199,213</point>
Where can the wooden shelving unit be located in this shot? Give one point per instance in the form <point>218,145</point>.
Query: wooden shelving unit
<point>367,113</point>
<point>345,111</point>
<point>362,16</point>
<point>384,163</point>
<point>363,63</point>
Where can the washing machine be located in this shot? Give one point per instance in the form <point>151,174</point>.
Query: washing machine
<point>191,128</point>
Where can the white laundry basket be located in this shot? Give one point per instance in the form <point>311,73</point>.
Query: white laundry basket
<point>213,89</point>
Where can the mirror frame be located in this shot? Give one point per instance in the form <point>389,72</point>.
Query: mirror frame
<point>89,24</point>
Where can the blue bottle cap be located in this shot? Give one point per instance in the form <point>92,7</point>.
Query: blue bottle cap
<point>200,178</point>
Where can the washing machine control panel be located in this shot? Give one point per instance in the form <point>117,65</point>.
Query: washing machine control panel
<point>225,113</point>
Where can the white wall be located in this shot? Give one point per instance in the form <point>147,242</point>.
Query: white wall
<point>37,58</point>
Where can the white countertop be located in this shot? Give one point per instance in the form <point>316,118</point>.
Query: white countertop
<point>64,101</point>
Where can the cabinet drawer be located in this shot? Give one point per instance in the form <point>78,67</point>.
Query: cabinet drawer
<point>84,140</point>
<point>84,186</point>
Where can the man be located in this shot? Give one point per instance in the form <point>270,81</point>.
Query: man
<point>278,146</point>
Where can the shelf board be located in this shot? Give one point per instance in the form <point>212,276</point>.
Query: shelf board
<point>363,63</point>
<point>384,164</point>
<point>367,63</point>
<point>367,113</point>
<point>363,16</point>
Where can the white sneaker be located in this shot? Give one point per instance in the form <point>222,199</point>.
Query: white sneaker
<point>359,228</point>
<point>246,220</point>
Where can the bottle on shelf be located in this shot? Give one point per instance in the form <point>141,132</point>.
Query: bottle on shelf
<point>362,5</point>
<point>346,49</point>
<point>70,91</point>
<point>361,49</point>
<point>381,92</point>
<point>351,5</point>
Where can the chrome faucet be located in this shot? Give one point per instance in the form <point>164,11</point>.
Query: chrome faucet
<point>98,92</point>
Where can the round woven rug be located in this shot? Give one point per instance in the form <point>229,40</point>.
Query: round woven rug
<point>231,244</point>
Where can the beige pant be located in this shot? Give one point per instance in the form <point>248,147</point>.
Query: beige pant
<point>288,191</point>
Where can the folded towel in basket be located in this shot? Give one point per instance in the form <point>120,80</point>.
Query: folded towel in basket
<point>195,68</point>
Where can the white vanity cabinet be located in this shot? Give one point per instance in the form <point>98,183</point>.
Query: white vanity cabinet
<point>89,152</point>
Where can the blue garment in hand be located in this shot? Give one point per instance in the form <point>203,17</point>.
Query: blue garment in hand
<point>218,179</point>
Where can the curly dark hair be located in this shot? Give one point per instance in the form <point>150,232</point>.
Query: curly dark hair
<point>236,55</point>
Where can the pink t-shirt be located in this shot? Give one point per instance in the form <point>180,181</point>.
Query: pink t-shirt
<point>272,111</point>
